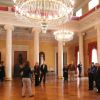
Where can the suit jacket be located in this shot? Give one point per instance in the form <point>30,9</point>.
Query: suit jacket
<point>37,70</point>
<point>44,69</point>
<point>98,76</point>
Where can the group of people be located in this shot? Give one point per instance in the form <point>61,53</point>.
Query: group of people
<point>94,76</point>
<point>71,71</point>
<point>26,73</point>
<point>2,71</point>
<point>40,73</point>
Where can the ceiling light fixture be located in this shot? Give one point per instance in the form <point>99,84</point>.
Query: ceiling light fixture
<point>45,13</point>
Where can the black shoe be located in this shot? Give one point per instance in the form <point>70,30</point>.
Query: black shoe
<point>90,89</point>
<point>23,96</point>
<point>31,95</point>
<point>98,91</point>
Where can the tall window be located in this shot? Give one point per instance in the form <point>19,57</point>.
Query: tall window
<point>78,58</point>
<point>94,56</point>
<point>79,13</point>
<point>92,4</point>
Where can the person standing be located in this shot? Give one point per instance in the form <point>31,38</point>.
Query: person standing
<point>2,71</point>
<point>79,69</point>
<point>43,71</point>
<point>65,73</point>
<point>37,74</point>
<point>26,81</point>
<point>91,75</point>
<point>98,78</point>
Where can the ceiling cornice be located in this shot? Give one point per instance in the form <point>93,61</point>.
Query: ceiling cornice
<point>6,3</point>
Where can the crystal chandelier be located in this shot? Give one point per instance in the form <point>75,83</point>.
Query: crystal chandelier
<point>63,35</point>
<point>45,13</point>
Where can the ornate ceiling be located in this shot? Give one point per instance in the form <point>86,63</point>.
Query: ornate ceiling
<point>26,33</point>
<point>10,2</point>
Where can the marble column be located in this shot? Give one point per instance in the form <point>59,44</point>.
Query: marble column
<point>98,41</point>
<point>60,59</point>
<point>81,51</point>
<point>8,68</point>
<point>36,44</point>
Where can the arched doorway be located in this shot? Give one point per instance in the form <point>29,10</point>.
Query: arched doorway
<point>19,58</point>
<point>41,58</point>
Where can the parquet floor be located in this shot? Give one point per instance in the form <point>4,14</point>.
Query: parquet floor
<point>53,90</point>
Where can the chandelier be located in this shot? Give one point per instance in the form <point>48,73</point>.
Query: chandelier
<point>63,35</point>
<point>45,13</point>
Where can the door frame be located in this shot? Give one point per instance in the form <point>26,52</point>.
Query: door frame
<point>19,48</point>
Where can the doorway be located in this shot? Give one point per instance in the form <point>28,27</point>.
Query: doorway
<point>19,58</point>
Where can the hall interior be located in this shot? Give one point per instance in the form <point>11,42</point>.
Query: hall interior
<point>23,40</point>
<point>86,36</point>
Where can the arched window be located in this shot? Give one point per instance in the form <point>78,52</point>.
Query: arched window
<point>92,4</point>
<point>94,56</point>
<point>78,58</point>
<point>41,58</point>
<point>79,13</point>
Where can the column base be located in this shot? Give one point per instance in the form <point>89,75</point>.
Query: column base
<point>60,77</point>
<point>8,79</point>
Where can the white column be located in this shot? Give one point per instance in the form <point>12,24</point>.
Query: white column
<point>81,51</point>
<point>8,68</point>
<point>98,41</point>
<point>60,59</point>
<point>36,45</point>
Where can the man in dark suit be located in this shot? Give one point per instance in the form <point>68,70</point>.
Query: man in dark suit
<point>79,69</point>
<point>91,75</point>
<point>98,78</point>
<point>2,71</point>
<point>37,74</point>
<point>65,73</point>
<point>44,71</point>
